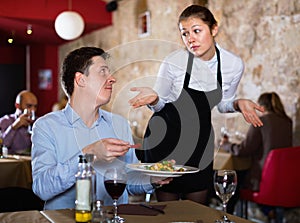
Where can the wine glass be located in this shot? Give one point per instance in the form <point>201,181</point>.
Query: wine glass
<point>115,184</point>
<point>225,182</point>
<point>31,116</point>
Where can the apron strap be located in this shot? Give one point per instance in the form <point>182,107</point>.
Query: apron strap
<point>188,72</point>
<point>190,66</point>
<point>219,74</point>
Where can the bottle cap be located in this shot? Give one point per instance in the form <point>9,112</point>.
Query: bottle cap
<point>82,159</point>
<point>99,203</point>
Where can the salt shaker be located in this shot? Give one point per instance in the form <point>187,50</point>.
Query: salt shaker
<point>4,151</point>
<point>98,214</point>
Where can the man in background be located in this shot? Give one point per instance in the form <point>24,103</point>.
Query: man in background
<point>60,104</point>
<point>14,127</point>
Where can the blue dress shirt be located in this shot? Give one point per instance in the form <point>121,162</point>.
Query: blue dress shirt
<point>57,141</point>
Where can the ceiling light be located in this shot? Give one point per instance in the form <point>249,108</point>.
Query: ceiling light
<point>29,29</point>
<point>69,25</point>
<point>112,6</point>
<point>10,40</point>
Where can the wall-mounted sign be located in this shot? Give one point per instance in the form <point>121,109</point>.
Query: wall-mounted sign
<point>45,79</point>
<point>144,24</point>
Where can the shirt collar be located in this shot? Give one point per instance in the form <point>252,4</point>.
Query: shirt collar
<point>73,117</point>
<point>213,60</point>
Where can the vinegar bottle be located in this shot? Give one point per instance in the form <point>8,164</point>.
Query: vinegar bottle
<point>83,193</point>
<point>92,173</point>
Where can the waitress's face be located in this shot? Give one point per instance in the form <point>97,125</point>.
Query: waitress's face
<point>198,38</point>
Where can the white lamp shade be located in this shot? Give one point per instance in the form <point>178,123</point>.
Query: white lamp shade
<point>69,25</point>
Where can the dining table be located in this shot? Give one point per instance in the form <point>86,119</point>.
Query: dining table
<point>174,211</point>
<point>225,160</point>
<point>15,171</point>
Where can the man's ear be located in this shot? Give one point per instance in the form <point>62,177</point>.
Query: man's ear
<point>79,79</point>
<point>17,105</point>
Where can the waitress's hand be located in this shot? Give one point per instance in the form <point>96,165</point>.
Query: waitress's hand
<point>248,109</point>
<point>158,182</point>
<point>146,96</point>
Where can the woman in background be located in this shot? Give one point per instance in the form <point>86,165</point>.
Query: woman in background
<point>277,132</point>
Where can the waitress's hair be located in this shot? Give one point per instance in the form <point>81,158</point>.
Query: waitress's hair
<point>272,103</point>
<point>200,12</point>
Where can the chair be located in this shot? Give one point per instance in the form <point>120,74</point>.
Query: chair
<point>280,180</point>
<point>19,199</point>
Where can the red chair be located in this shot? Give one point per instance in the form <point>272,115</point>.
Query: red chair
<point>280,180</point>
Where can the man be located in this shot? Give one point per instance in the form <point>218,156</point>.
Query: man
<point>82,127</point>
<point>14,127</point>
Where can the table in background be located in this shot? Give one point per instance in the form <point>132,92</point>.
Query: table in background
<point>175,211</point>
<point>15,171</point>
<point>225,160</point>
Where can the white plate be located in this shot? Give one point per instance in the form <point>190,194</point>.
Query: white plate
<point>157,173</point>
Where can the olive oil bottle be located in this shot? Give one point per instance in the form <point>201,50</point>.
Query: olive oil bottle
<point>83,207</point>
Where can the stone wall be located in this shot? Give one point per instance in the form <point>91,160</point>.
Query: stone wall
<point>264,33</point>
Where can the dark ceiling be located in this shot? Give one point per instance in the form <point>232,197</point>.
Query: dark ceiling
<point>16,15</point>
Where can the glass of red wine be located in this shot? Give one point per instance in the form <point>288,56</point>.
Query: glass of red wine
<point>115,184</point>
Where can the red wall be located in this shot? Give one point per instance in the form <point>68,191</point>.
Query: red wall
<point>44,57</point>
<point>41,57</point>
<point>13,55</point>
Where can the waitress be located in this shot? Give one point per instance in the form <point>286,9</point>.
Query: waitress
<point>190,83</point>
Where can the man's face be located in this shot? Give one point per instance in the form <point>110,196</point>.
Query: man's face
<point>99,81</point>
<point>29,102</point>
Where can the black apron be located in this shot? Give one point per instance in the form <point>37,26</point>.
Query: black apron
<point>182,131</point>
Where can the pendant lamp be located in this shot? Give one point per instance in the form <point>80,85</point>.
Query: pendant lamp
<point>69,25</point>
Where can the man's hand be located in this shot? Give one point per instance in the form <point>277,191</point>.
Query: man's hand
<point>22,120</point>
<point>107,149</point>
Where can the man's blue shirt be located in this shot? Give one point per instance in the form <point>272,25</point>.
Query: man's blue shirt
<point>57,141</point>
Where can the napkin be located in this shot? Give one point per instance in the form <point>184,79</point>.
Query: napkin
<point>136,209</point>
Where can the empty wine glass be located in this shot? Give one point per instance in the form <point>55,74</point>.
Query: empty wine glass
<point>115,184</point>
<point>225,182</point>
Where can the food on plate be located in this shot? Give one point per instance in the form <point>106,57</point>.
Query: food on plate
<point>167,165</point>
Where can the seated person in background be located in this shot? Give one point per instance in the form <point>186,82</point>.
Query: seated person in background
<point>14,127</point>
<point>276,132</point>
<point>82,127</point>
<point>61,104</point>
